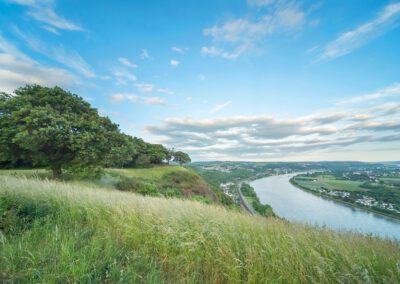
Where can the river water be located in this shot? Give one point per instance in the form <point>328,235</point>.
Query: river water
<point>298,205</point>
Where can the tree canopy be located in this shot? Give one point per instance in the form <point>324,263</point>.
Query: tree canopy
<point>51,127</point>
<point>181,157</point>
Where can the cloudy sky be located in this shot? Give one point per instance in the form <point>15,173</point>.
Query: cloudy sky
<point>223,80</point>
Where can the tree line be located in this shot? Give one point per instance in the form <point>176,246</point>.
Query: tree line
<point>51,127</point>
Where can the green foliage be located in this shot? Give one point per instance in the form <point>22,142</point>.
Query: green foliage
<point>201,199</point>
<point>385,190</point>
<point>164,181</point>
<point>248,191</point>
<point>86,235</point>
<point>172,192</point>
<point>133,185</point>
<point>262,209</point>
<point>52,127</point>
<point>217,177</point>
<point>158,153</point>
<point>123,151</point>
<point>143,161</point>
<point>189,183</point>
<point>181,158</point>
<point>169,154</point>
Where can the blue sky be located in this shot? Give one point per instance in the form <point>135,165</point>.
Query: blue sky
<point>223,80</point>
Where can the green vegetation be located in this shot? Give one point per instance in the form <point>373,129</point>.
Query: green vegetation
<point>329,182</point>
<point>102,218</point>
<point>217,177</point>
<point>181,158</point>
<point>251,196</point>
<point>52,232</point>
<point>53,128</point>
<point>372,190</point>
<point>167,181</point>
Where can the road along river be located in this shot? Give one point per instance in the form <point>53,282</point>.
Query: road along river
<point>297,205</point>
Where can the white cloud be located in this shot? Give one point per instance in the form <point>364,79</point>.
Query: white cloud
<point>215,51</point>
<point>117,98</point>
<point>144,88</point>
<point>121,97</point>
<point>260,3</point>
<point>349,41</point>
<point>220,107</point>
<point>126,62</point>
<point>179,49</point>
<point>17,69</point>
<point>23,2</point>
<point>9,48</point>
<point>123,77</point>
<point>384,93</point>
<point>72,59</point>
<point>165,91</point>
<point>262,137</point>
<point>69,58</point>
<point>236,37</point>
<point>153,101</point>
<point>44,11</point>
<point>174,62</point>
<point>50,29</point>
<point>145,54</point>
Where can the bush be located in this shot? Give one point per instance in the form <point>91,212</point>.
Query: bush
<point>201,199</point>
<point>133,185</point>
<point>172,192</point>
<point>180,179</point>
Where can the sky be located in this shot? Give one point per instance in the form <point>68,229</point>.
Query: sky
<point>253,80</point>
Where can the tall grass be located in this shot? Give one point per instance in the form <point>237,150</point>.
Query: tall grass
<point>59,233</point>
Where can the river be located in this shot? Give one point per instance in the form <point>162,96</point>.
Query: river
<point>298,205</point>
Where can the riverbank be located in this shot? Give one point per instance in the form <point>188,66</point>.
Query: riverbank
<point>393,217</point>
<point>299,206</point>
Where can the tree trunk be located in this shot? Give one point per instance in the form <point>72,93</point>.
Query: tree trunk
<point>56,172</point>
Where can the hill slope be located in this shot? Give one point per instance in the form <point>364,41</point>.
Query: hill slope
<point>55,232</point>
<point>168,181</point>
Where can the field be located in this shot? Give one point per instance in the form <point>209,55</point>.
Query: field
<point>391,180</point>
<point>55,232</point>
<point>329,182</point>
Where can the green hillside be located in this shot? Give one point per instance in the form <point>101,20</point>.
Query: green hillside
<point>54,232</point>
<point>167,181</point>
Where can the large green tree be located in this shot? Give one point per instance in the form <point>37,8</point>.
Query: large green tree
<point>181,157</point>
<point>55,128</point>
<point>157,153</point>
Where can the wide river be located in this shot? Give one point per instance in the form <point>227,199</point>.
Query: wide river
<point>297,205</point>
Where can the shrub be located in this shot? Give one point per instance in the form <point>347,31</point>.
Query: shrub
<point>133,185</point>
<point>172,192</point>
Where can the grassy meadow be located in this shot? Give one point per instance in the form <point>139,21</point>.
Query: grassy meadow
<point>58,232</point>
<point>329,182</point>
<point>179,181</point>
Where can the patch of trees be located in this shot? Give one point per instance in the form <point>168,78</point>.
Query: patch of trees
<point>262,209</point>
<point>50,127</point>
